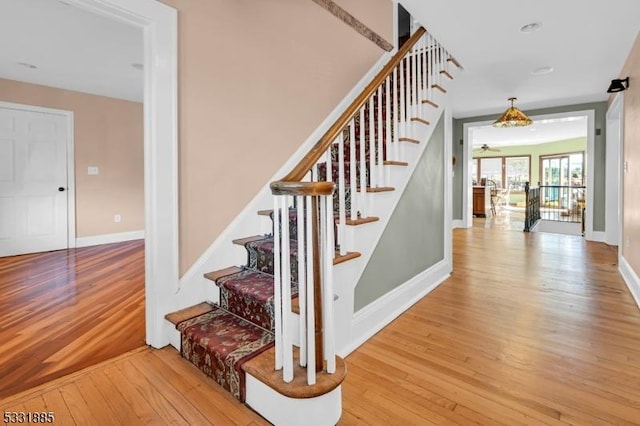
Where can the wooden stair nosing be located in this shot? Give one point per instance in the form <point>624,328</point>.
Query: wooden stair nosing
<point>438,87</point>
<point>446,74</point>
<point>395,163</point>
<point>379,189</point>
<point>341,259</point>
<point>406,139</point>
<point>454,61</point>
<point>420,120</point>
<point>261,367</point>
<point>177,317</point>
<point>265,212</point>
<point>243,241</point>
<point>361,220</point>
<point>214,275</point>
<point>430,102</point>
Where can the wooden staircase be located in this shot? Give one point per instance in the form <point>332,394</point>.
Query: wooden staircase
<point>287,294</point>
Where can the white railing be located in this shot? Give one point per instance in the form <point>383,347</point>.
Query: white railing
<point>330,189</point>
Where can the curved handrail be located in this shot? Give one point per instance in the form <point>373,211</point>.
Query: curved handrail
<point>290,184</point>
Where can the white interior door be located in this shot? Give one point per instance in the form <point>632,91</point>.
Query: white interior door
<point>33,181</point>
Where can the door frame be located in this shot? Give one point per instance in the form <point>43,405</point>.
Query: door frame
<point>159,24</point>
<point>613,180</point>
<point>467,211</point>
<point>71,182</point>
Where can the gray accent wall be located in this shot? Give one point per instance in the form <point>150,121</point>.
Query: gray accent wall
<point>413,240</point>
<point>599,171</point>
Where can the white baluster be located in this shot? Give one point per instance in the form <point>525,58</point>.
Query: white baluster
<point>302,278</point>
<point>287,346</point>
<point>380,137</point>
<point>402,106</point>
<point>277,281</point>
<point>414,86</point>
<point>363,167</point>
<point>353,170</point>
<point>311,329</point>
<point>431,63</point>
<point>372,144</point>
<point>342,209</point>
<point>423,74</point>
<point>396,116</point>
<point>329,163</point>
<point>327,293</point>
<point>387,104</point>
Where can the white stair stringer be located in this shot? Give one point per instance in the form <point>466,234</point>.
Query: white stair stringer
<point>366,237</point>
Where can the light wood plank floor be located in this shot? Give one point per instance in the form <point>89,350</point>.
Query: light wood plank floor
<point>530,329</point>
<point>64,310</point>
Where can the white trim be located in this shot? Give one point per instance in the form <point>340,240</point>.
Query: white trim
<point>71,181</point>
<point>613,189</point>
<point>378,314</point>
<point>282,410</point>
<point>457,223</point>
<point>468,155</point>
<point>630,278</point>
<point>95,240</point>
<point>218,254</point>
<point>159,23</point>
<point>597,236</point>
<point>448,186</point>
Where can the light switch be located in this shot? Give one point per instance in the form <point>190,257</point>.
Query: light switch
<point>93,170</point>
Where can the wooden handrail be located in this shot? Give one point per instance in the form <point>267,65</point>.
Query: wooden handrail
<point>285,185</point>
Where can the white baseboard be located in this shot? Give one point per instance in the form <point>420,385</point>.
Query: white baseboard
<point>375,316</point>
<point>95,240</point>
<point>597,236</point>
<point>631,278</point>
<point>457,223</point>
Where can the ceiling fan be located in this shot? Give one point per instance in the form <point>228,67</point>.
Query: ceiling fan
<point>485,148</point>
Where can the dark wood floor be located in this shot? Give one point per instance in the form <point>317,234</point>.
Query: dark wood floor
<point>530,329</point>
<point>62,311</point>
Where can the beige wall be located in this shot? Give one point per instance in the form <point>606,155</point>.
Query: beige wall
<point>255,80</point>
<point>631,194</point>
<point>376,14</point>
<point>108,133</point>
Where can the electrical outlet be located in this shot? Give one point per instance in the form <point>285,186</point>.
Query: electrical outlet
<point>117,218</point>
<point>93,170</point>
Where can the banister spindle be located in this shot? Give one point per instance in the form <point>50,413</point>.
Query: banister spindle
<point>311,265</point>
<point>387,139</point>
<point>342,212</point>
<point>379,138</point>
<point>372,145</point>
<point>328,328</point>
<point>277,281</point>
<point>396,117</point>
<point>363,167</point>
<point>301,210</point>
<point>352,171</point>
<point>285,259</point>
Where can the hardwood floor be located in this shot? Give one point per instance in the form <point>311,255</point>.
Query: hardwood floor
<point>62,311</point>
<point>530,329</point>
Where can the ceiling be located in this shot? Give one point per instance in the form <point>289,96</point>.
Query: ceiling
<point>583,43</point>
<point>72,49</point>
<point>541,131</point>
<point>586,43</point>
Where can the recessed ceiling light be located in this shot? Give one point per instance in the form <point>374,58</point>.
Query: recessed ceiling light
<point>137,66</point>
<point>529,28</point>
<point>27,65</point>
<point>542,71</point>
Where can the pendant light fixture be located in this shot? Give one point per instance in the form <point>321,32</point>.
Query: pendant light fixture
<point>513,117</point>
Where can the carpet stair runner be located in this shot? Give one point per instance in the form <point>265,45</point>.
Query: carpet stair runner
<point>226,340</point>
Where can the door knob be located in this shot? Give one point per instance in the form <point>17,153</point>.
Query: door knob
<point>61,189</point>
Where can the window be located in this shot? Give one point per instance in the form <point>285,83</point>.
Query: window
<point>562,169</point>
<point>506,172</point>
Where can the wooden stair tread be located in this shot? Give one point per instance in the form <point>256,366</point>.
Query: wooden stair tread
<point>243,241</point>
<point>454,62</point>
<point>395,163</point>
<point>350,255</point>
<point>379,189</point>
<point>446,73</point>
<point>265,212</point>
<point>438,87</point>
<point>262,368</point>
<point>430,102</point>
<point>361,221</point>
<point>420,120</point>
<point>177,317</point>
<point>214,275</point>
<point>405,139</point>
